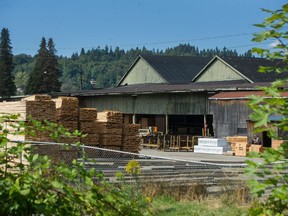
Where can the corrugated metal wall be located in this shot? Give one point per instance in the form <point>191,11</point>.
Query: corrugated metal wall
<point>229,116</point>
<point>158,104</point>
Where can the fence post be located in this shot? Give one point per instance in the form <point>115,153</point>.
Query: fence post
<point>21,162</point>
<point>83,154</point>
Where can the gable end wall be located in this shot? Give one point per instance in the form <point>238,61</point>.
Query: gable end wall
<point>142,73</point>
<point>218,71</point>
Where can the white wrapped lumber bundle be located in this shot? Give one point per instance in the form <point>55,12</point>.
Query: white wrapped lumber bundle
<point>88,114</point>
<point>110,116</point>
<point>131,140</point>
<point>67,108</point>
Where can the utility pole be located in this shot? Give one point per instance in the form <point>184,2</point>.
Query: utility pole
<point>81,77</point>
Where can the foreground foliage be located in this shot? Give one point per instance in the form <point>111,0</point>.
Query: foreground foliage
<point>35,185</point>
<point>269,180</point>
<point>168,206</point>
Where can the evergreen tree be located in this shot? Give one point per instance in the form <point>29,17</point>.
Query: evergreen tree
<point>38,81</point>
<point>53,71</point>
<point>44,76</point>
<point>7,85</point>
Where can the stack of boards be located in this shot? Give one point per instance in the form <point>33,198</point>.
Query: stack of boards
<point>102,129</point>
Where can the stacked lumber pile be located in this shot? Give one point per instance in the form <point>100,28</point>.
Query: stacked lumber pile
<point>233,140</point>
<point>67,115</point>
<point>130,140</point>
<point>109,127</point>
<point>14,107</point>
<point>67,112</point>
<point>276,143</point>
<point>88,125</point>
<point>103,129</point>
<point>40,108</point>
<point>256,148</point>
<point>241,149</point>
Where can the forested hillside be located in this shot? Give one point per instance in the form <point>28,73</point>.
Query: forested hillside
<point>103,66</point>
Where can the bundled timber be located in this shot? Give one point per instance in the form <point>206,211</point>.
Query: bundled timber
<point>33,133</point>
<point>131,140</point>
<point>241,149</point>
<point>89,127</point>
<point>256,148</point>
<point>67,112</point>
<point>14,107</point>
<point>37,97</point>
<point>233,140</point>
<point>110,116</point>
<point>39,107</point>
<point>106,140</point>
<point>67,108</point>
<point>68,140</point>
<point>69,125</point>
<point>88,114</point>
<point>90,140</point>
<point>109,127</point>
<point>66,102</point>
<point>41,110</point>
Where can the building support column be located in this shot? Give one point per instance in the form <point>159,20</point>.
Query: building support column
<point>166,124</point>
<point>134,118</point>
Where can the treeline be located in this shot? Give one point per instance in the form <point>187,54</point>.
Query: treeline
<point>103,67</point>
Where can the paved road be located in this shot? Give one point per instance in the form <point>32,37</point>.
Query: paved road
<point>191,156</point>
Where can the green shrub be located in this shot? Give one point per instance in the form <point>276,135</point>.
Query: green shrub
<point>42,186</point>
<point>269,180</point>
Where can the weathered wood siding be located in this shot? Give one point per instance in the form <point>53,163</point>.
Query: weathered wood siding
<point>142,72</point>
<point>229,116</point>
<point>218,71</point>
<point>158,104</point>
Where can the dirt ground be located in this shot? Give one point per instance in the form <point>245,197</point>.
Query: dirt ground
<point>191,156</point>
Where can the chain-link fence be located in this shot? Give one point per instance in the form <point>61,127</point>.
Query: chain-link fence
<point>157,174</point>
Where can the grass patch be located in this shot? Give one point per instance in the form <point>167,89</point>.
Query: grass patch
<point>169,206</point>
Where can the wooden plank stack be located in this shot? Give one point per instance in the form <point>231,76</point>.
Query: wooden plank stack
<point>40,108</point>
<point>256,148</point>
<point>14,107</point>
<point>88,125</point>
<point>67,115</point>
<point>109,127</point>
<point>233,140</point>
<point>241,149</point>
<point>276,143</point>
<point>67,112</point>
<point>130,139</point>
<point>103,129</point>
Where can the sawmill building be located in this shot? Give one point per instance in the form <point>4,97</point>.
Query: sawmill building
<point>178,94</point>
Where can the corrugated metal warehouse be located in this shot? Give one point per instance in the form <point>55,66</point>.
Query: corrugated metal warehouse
<point>176,93</point>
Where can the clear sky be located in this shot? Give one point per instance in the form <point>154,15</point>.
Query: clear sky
<point>159,24</point>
